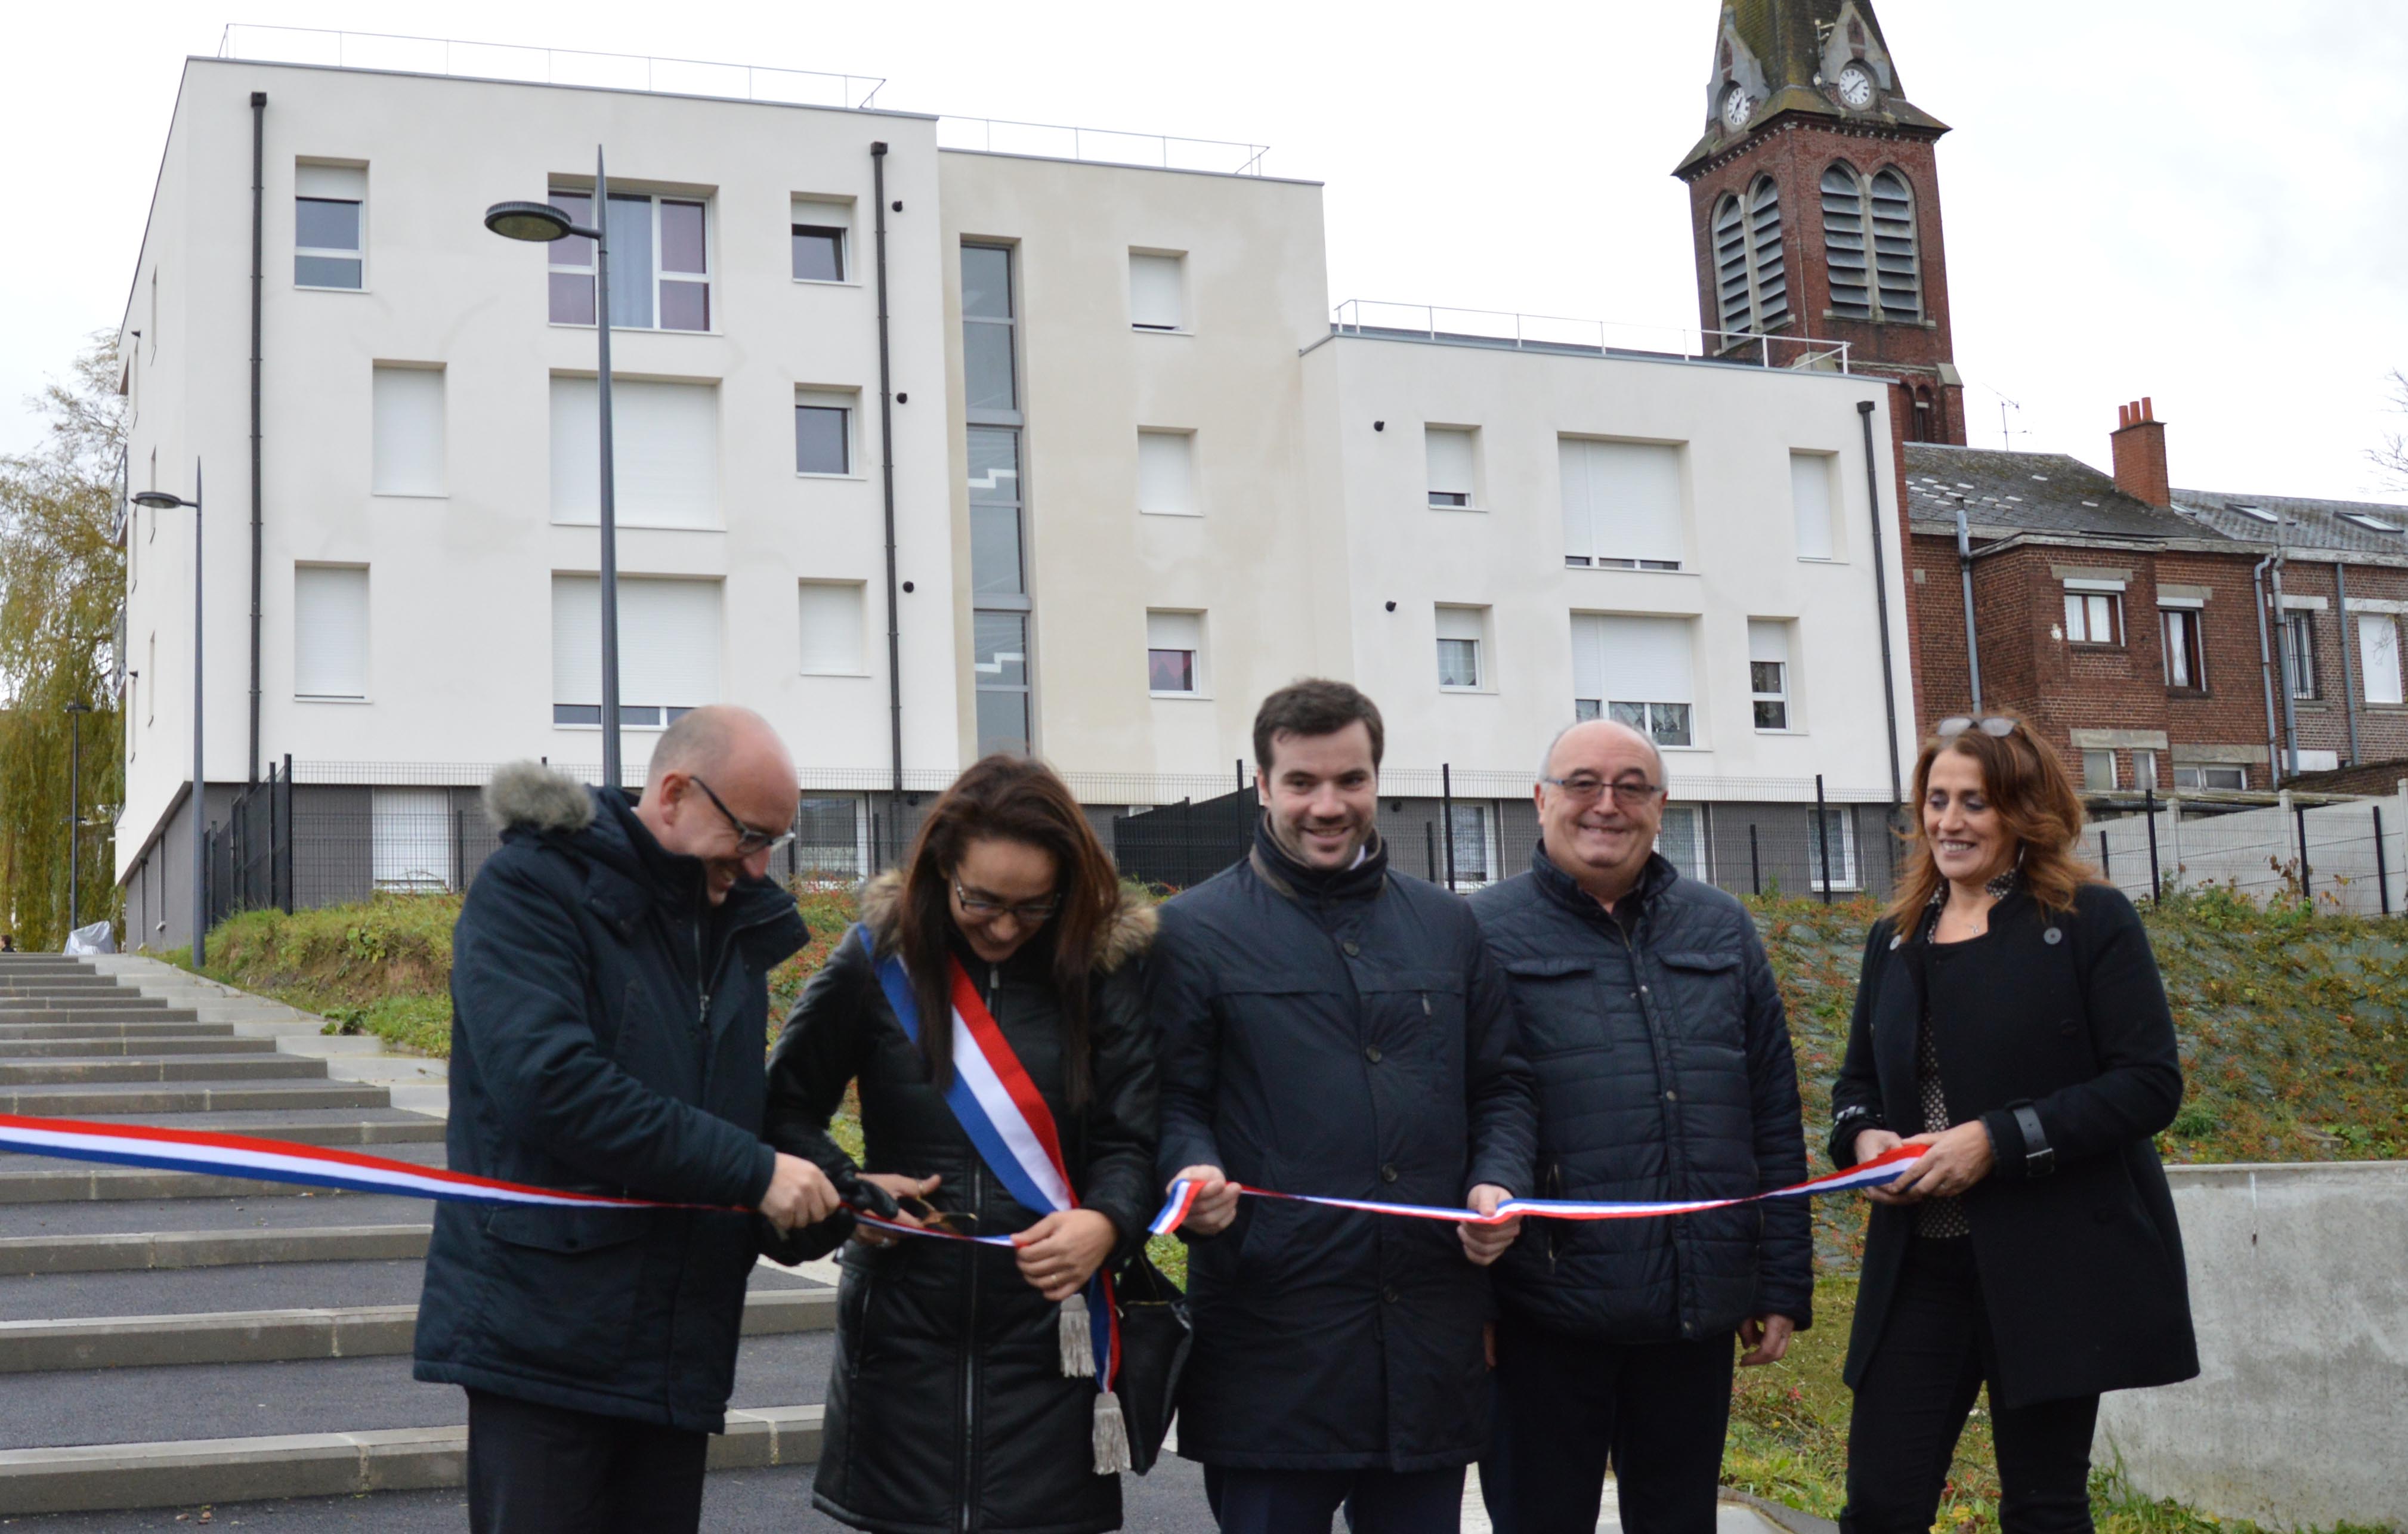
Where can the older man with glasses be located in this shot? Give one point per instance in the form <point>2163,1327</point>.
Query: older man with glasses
<point>610,989</point>
<point>1649,1015</point>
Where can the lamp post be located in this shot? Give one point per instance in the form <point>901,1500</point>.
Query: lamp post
<point>159,500</point>
<point>75,804</point>
<point>542,222</point>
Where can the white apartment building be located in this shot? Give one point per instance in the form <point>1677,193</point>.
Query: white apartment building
<point>1137,480</point>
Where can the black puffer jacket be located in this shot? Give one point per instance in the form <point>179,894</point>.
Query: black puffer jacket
<point>606,1039</point>
<point>948,1411</point>
<point>1664,1071</point>
<point>1345,1036</point>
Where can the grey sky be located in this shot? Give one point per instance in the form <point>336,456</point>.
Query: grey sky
<point>2205,201</point>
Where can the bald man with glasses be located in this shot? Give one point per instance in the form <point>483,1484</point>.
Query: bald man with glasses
<point>609,991</point>
<point>1648,1013</point>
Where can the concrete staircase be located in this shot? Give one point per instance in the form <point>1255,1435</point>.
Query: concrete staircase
<point>168,1340</point>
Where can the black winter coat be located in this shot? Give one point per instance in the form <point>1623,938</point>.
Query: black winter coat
<point>2082,1267</point>
<point>1664,1071</point>
<point>1355,1042</point>
<point>606,1038</point>
<point>948,1410</point>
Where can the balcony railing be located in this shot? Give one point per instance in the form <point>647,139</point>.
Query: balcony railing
<point>1583,337</point>
<point>546,65</point>
<point>1103,146</point>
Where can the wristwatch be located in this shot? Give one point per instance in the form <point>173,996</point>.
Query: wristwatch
<point>2040,1157</point>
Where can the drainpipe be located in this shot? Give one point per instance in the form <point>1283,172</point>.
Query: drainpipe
<point>2283,654</point>
<point>1965,574</point>
<point>886,449</point>
<point>2265,668</point>
<point>258,198</point>
<point>2349,683</point>
<point>1880,604</point>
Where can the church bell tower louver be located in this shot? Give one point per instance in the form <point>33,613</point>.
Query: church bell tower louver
<point>1814,196</point>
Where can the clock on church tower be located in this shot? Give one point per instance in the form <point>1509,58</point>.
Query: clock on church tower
<point>1815,193</point>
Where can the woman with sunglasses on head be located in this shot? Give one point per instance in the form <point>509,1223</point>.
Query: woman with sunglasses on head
<point>2011,1021</point>
<point>957,1387</point>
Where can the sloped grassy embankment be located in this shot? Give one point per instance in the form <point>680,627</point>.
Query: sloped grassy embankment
<point>2294,1036</point>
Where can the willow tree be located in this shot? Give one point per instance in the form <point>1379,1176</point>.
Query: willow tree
<point>61,584</point>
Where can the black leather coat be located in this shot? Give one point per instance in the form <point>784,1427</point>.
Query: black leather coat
<point>2082,1266</point>
<point>1664,1071</point>
<point>948,1410</point>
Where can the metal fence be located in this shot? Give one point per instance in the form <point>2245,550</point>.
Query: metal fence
<point>2343,858</point>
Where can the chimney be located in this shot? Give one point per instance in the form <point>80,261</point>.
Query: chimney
<point>2140,444</point>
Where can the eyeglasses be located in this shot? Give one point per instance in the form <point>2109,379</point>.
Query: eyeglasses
<point>1582,788</point>
<point>1994,727</point>
<point>987,907</point>
<point>750,839</point>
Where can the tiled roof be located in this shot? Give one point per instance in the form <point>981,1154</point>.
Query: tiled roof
<point>2305,523</point>
<point>2030,492</point>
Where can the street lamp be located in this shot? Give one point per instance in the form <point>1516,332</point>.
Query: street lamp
<point>541,222</point>
<point>159,500</point>
<point>75,803</point>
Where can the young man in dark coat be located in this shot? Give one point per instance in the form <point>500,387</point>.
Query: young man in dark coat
<point>1649,1015</point>
<point>1331,1027</point>
<point>610,996</point>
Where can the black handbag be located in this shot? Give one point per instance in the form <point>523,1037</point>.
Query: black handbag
<point>1155,1334</point>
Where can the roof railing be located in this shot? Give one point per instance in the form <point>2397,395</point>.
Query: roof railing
<point>410,56</point>
<point>1102,146</point>
<point>1584,337</point>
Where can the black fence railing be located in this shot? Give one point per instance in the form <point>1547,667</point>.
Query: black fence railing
<point>248,857</point>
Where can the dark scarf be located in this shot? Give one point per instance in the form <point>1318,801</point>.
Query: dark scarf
<point>1318,887</point>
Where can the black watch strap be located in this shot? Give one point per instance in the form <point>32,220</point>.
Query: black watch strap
<point>2040,1158</point>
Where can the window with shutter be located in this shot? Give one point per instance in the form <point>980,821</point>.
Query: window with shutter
<point>1843,244</point>
<point>1810,503</point>
<point>330,631</point>
<point>329,226</point>
<point>406,449</point>
<point>1638,670</point>
<point>1730,268</point>
<point>1166,473</point>
<point>821,230</point>
<point>823,431</point>
<point>1174,653</point>
<point>1869,245</point>
<point>664,447</point>
<point>1622,504</point>
<point>832,629</point>
<point>1156,296</point>
<point>1768,673</point>
<point>669,650</point>
<point>1448,453</point>
<point>1900,294</point>
<point>1764,255</point>
<point>1461,636</point>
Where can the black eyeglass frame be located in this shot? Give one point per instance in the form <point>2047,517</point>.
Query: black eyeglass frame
<point>1629,796</point>
<point>750,839</point>
<point>1028,914</point>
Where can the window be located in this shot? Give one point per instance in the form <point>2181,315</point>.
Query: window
<point>1000,658</point>
<point>669,650</point>
<point>1810,503</point>
<point>1622,504</point>
<point>2185,656</point>
<point>1448,451</point>
<point>822,431</point>
<point>329,218</point>
<point>410,839</point>
<point>829,838</point>
<point>2300,652</point>
<point>1835,829</point>
<point>1749,271</point>
<point>994,512</point>
<point>987,324</point>
<point>405,456</point>
<point>1166,473</point>
<point>664,447</point>
<point>1890,289</point>
<point>330,631</point>
<point>1636,670</point>
<point>2099,770</point>
<point>2378,651</point>
<point>660,262</point>
<point>821,232</point>
<point>1469,840</point>
<point>2372,523</point>
<point>2093,617</point>
<point>2208,775</point>
<point>832,623</point>
<point>1158,297</point>
<point>1460,635</point>
<point>1174,649</point>
<point>1767,672</point>
<point>1682,840</point>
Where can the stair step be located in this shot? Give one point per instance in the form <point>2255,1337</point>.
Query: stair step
<point>139,1216</point>
<point>156,1043</point>
<point>151,1251</point>
<point>348,1331</point>
<point>107,997</point>
<point>150,1027</point>
<point>357,1127</point>
<point>40,1180</point>
<point>145,1068</point>
<point>27,1017</point>
<point>87,1100</point>
<point>100,1298</point>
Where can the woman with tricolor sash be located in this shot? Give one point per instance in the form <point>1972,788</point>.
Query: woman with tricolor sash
<point>988,1009</point>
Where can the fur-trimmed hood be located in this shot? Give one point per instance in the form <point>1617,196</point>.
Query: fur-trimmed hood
<point>1127,936</point>
<point>531,797</point>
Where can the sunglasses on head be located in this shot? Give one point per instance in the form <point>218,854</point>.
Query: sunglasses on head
<point>1996,728</point>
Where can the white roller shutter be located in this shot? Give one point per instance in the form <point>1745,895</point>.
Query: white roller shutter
<point>832,626</point>
<point>338,183</point>
<point>1810,499</point>
<point>1157,301</point>
<point>406,457</point>
<point>577,639</point>
<point>1449,451</point>
<point>410,838</point>
<point>1460,622</point>
<point>1622,500</point>
<point>1588,657</point>
<point>330,631</point>
<point>823,213</point>
<point>1768,639</point>
<point>1646,660</point>
<point>669,642</point>
<point>665,440</point>
<point>1166,473</point>
<point>1174,631</point>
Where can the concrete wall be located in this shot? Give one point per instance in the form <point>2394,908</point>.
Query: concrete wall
<point>2256,851</point>
<point>2299,1283</point>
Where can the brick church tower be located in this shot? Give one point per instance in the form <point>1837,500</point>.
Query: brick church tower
<point>1815,196</point>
